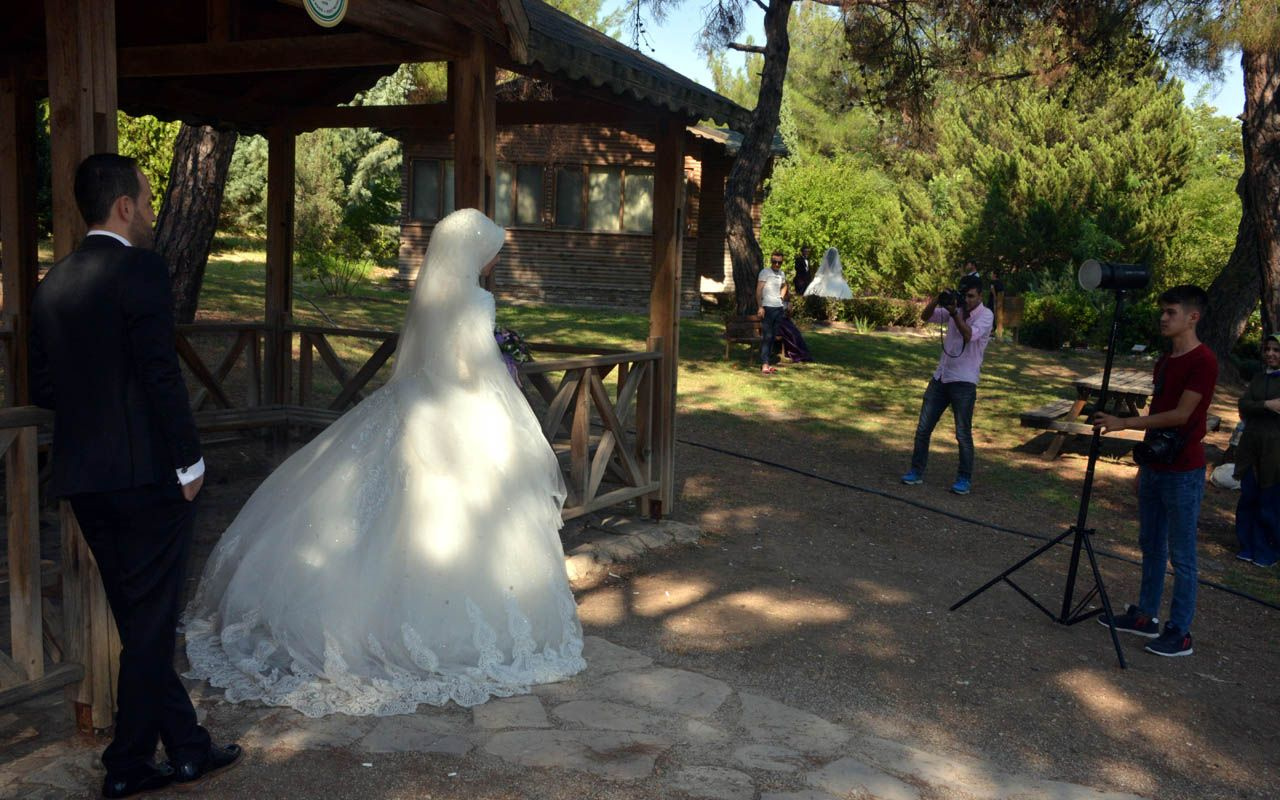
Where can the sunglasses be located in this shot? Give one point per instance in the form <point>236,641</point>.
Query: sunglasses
<point>776,262</point>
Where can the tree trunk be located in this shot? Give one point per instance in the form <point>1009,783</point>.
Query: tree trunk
<point>1261,181</point>
<point>1233,295</point>
<point>748,169</point>
<point>189,216</point>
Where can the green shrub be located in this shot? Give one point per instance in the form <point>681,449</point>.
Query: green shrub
<point>338,275</point>
<point>1050,321</point>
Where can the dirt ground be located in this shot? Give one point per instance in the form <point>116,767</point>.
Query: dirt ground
<point>835,601</point>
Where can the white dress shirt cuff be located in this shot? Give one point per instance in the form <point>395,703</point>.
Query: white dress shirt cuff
<point>192,473</point>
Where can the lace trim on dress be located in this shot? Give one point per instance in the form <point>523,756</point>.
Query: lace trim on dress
<point>340,689</point>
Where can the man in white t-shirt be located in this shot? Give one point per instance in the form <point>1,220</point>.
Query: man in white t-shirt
<point>771,296</point>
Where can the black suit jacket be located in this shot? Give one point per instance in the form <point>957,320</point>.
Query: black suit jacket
<point>103,358</point>
<point>803,275</point>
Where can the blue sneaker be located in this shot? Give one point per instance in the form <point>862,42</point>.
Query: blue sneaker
<point>913,478</point>
<point>961,486</point>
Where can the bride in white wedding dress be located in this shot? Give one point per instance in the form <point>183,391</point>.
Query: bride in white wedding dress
<point>829,280</point>
<point>409,553</point>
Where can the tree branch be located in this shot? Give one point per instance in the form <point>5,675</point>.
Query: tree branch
<point>746,48</point>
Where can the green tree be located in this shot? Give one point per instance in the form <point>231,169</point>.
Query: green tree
<point>845,203</point>
<point>739,84</point>
<point>1210,208</point>
<point>150,141</point>
<point>1044,179</point>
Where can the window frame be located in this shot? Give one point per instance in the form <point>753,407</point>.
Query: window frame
<point>516,166</point>
<point>585,193</point>
<point>442,191</point>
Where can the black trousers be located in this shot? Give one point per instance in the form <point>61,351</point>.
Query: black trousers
<point>141,539</point>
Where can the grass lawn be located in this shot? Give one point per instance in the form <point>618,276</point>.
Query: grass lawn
<point>862,391</point>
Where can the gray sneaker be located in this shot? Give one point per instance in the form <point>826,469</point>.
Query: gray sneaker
<point>1134,621</point>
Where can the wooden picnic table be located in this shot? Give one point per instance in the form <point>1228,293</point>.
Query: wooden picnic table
<point>1129,391</point>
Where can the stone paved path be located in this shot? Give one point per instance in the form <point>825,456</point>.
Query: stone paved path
<point>659,732</point>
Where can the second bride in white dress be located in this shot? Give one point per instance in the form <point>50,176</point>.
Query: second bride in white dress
<point>410,553</point>
<point>829,280</point>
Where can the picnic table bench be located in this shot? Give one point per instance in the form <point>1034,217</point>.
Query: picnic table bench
<point>743,330</point>
<point>1129,391</point>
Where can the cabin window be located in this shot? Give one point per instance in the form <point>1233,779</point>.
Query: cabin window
<point>432,195</point>
<point>604,198</point>
<point>518,195</point>
<point>637,201</point>
<point>569,186</point>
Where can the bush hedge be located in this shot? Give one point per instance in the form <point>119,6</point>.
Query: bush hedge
<point>876,312</point>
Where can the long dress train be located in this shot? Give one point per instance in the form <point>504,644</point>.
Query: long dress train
<point>409,553</point>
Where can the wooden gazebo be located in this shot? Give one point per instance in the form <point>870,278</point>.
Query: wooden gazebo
<point>263,66</point>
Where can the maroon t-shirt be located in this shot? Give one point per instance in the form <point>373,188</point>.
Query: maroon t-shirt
<point>1195,370</point>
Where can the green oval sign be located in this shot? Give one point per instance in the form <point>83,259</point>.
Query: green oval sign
<point>326,13</point>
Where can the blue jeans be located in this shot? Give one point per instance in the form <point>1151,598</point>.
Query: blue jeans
<point>768,330</point>
<point>1258,519</point>
<point>960,396</point>
<point>1168,511</point>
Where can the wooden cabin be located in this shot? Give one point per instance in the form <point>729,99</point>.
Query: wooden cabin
<point>577,202</point>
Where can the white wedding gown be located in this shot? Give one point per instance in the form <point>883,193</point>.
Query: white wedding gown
<point>829,282</point>
<point>409,553</point>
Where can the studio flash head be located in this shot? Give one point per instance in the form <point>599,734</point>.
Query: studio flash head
<point>1096,274</point>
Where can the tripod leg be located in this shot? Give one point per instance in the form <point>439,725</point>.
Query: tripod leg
<point>1106,601</point>
<point>1003,575</point>
<point>1070,589</point>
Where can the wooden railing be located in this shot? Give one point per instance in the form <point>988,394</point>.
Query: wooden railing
<point>590,423</point>
<point>60,628</point>
<point>596,405</point>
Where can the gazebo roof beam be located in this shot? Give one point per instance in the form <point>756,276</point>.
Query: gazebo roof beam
<point>274,55</point>
<point>399,20</point>
<point>438,116</point>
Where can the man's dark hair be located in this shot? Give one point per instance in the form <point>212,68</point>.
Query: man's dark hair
<point>101,179</point>
<point>971,282</point>
<point>1191,298</point>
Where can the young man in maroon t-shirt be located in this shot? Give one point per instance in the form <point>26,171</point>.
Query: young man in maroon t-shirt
<point>1169,493</point>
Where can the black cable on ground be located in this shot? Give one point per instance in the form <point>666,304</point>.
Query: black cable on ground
<point>959,517</point>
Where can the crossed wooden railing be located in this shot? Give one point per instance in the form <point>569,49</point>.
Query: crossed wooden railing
<point>589,423</point>
<point>587,418</point>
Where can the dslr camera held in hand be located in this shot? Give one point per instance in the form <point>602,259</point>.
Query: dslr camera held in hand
<point>950,298</point>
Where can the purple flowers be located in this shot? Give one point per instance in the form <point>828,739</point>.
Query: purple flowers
<point>514,351</point>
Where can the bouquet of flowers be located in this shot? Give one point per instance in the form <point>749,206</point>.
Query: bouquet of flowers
<point>514,350</point>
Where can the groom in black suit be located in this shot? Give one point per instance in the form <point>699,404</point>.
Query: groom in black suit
<point>127,456</point>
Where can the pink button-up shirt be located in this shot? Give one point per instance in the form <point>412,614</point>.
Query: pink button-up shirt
<point>968,363</point>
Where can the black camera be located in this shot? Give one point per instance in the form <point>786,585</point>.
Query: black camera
<point>950,298</point>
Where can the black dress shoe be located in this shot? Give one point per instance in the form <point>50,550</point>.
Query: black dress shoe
<point>217,758</point>
<point>157,776</point>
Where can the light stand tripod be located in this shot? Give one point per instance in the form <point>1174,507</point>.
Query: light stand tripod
<point>1069,614</point>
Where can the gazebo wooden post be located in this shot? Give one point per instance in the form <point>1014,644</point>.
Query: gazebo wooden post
<point>664,303</point>
<point>472,95</point>
<point>17,225</point>
<point>278,361</point>
<point>81,47</point>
